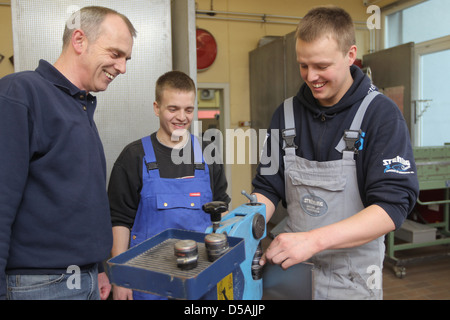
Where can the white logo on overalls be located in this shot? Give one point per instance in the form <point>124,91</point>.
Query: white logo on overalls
<point>313,205</point>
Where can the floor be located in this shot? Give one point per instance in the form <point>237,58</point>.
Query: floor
<point>425,279</point>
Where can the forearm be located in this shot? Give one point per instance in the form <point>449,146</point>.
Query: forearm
<point>14,167</point>
<point>270,207</point>
<point>363,227</point>
<point>121,239</point>
<point>288,249</point>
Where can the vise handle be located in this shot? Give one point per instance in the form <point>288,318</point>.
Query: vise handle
<point>215,209</point>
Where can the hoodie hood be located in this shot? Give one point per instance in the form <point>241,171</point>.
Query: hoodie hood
<point>360,88</point>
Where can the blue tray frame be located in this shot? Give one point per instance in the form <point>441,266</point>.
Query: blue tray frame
<point>191,287</point>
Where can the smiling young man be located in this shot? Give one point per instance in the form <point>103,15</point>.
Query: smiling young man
<point>324,66</point>
<point>338,132</point>
<point>149,191</point>
<point>54,211</point>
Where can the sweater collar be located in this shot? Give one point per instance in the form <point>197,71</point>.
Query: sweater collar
<point>49,72</point>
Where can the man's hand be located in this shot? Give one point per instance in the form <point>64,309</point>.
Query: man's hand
<point>288,249</point>
<point>121,293</point>
<point>103,285</point>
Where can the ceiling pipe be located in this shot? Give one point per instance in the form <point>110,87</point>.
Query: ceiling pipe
<point>263,18</point>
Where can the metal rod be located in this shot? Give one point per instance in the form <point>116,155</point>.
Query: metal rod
<point>209,12</point>
<point>257,20</point>
<point>212,15</point>
<point>407,246</point>
<point>248,20</point>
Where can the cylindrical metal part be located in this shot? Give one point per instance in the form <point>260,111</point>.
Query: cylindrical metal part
<point>216,245</point>
<point>256,267</point>
<point>186,252</point>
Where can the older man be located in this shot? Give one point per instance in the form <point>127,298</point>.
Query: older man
<point>55,227</point>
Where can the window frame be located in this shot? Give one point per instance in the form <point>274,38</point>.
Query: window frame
<point>421,49</point>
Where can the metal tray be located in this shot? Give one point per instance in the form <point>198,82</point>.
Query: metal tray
<point>151,266</point>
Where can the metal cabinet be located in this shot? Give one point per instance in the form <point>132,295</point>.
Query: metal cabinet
<point>274,76</point>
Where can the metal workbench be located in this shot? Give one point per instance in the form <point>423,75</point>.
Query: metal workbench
<point>433,170</point>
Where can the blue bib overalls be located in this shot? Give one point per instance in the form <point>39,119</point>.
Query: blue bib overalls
<point>170,203</point>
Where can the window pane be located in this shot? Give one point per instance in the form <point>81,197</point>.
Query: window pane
<point>435,119</point>
<point>394,29</point>
<point>425,21</point>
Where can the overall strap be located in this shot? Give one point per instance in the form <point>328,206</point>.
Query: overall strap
<point>199,162</point>
<point>288,133</point>
<point>149,154</point>
<point>352,135</point>
<point>150,158</point>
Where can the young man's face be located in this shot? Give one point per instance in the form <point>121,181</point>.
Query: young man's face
<point>175,112</point>
<point>106,58</point>
<point>325,68</point>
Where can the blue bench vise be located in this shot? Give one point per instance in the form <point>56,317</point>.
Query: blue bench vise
<point>222,270</point>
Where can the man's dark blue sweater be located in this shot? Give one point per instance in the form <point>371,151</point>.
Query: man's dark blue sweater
<point>54,208</point>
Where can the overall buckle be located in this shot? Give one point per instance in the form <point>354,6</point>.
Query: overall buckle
<point>350,138</point>
<point>288,137</point>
